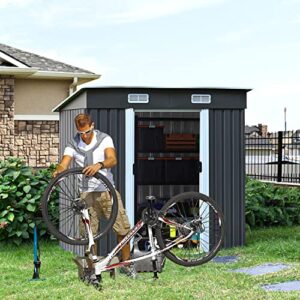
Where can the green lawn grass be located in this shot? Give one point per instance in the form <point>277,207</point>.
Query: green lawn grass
<point>209,281</point>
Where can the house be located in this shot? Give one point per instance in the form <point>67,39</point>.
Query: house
<point>256,131</point>
<point>30,86</point>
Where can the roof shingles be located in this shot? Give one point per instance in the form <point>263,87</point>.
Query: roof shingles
<point>40,62</point>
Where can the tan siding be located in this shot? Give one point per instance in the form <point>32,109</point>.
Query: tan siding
<point>39,97</point>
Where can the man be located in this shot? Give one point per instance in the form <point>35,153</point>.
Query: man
<point>94,150</point>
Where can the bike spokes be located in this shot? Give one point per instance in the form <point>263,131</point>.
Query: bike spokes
<point>65,198</point>
<point>199,225</point>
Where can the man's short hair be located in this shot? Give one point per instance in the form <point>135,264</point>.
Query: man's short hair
<point>82,120</point>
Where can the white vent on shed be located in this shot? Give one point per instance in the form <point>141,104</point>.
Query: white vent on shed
<point>198,98</point>
<point>138,98</point>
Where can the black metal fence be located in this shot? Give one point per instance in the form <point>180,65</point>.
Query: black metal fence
<point>275,157</point>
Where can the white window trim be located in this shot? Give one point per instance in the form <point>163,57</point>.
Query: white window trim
<point>204,158</point>
<point>204,151</point>
<point>36,117</point>
<point>129,161</point>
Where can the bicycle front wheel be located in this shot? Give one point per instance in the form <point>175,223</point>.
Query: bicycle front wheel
<point>197,217</point>
<point>64,199</point>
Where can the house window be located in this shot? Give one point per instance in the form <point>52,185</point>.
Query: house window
<point>201,98</point>
<point>138,98</point>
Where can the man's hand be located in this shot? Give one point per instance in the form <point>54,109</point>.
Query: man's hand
<point>63,165</point>
<point>58,170</point>
<point>92,169</point>
<point>55,173</point>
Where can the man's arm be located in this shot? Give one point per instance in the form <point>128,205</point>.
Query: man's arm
<point>109,162</point>
<point>63,165</point>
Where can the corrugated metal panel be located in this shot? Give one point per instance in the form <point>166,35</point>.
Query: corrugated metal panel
<point>227,170</point>
<point>67,131</point>
<point>112,122</point>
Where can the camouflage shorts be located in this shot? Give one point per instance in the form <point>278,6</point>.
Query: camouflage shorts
<point>100,205</point>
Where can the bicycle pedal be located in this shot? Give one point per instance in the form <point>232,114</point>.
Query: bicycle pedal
<point>97,282</point>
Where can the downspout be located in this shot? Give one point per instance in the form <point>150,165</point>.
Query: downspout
<point>73,86</point>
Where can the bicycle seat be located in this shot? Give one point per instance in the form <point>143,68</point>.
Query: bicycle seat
<point>150,198</point>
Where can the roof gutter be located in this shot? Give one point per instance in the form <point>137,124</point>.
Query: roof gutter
<point>18,72</point>
<point>34,73</point>
<point>64,75</point>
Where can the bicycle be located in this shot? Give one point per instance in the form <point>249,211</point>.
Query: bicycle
<point>189,228</point>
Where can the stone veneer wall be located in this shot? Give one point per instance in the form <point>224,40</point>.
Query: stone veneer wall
<point>37,142</point>
<point>7,86</point>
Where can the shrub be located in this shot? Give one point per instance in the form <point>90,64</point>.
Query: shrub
<point>269,205</point>
<point>21,190</point>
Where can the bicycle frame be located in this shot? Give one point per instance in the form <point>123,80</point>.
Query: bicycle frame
<point>104,264</point>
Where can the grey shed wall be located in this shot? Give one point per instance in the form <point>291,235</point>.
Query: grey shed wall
<point>112,122</point>
<point>227,171</point>
<point>66,132</point>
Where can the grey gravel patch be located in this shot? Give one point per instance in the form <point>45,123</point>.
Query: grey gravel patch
<point>262,269</point>
<point>283,286</point>
<point>225,259</point>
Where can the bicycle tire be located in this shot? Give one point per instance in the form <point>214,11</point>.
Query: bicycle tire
<point>213,219</point>
<point>54,228</point>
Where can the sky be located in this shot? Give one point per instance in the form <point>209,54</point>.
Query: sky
<point>251,44</point>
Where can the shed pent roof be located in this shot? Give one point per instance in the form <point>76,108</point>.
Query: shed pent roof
<point>159,98</point>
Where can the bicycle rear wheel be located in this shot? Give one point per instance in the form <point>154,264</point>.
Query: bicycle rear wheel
<point>62,203</point>
<point>202,220</point>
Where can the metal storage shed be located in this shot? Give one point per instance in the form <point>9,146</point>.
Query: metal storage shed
<point>205,131</point>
